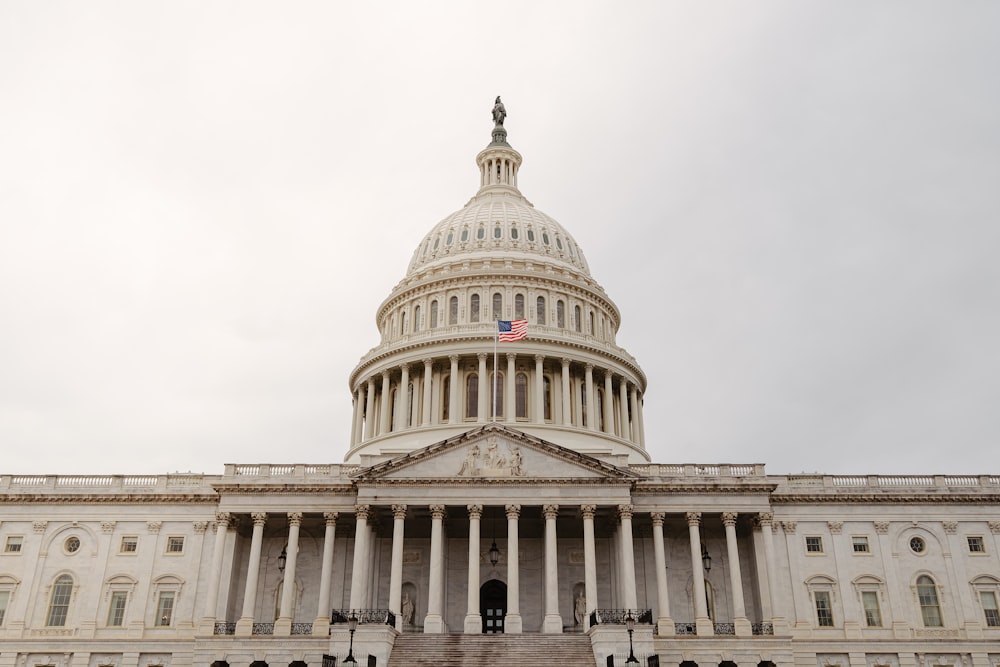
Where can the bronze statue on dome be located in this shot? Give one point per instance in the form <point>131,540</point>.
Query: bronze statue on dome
<point>499,113</point>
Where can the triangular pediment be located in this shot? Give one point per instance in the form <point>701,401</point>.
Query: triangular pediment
<point>495,453</point>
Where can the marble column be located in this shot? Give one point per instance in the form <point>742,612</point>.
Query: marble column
<point>396,568</point>
<point>567,410</point>
<point>510,396</point>
<point>634,426</point>
<point>626,430</point>
<point>425,407</point>
<point>454,408</point>
<point>664,623</point>
<point>483,390</point>
<point>553,620</point>
<point>641,436</point>
<point>403,420</point>
<point>358,418</point>
<point>222,521</point>
<point>385,409</point>
<point>322,623</point>
<point>473,619</point>
<point>765,520</point>
<point>743,628</point>
<point>539,389</point>
<point>703,624</point>
<point>434,621</point>
<point>512,622</point>
<point>609,405</point>
<point>244,627</point>
<point>286,614</point>
<point>628,558</point>
<point>359,569</point>
<point>589,560</point>
<point>370,409</point>
<point>589,407</point>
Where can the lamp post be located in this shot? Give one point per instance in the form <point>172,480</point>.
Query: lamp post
<point>706,560</point>
<point>630,626</point>
<point>352,625</point>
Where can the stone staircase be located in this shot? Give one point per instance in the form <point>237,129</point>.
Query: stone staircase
<point>420,650</point>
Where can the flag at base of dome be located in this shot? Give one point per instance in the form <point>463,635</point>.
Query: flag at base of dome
<point>511,330</point>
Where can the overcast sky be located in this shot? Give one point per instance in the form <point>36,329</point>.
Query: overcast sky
<point>795,205</point>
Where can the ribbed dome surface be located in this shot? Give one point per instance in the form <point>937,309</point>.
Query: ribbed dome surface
<point>498,225</point>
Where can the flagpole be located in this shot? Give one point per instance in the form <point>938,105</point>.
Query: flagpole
<point>496,340</point>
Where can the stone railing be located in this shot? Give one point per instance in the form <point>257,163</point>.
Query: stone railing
<point>618,616</point>
<point>700,470</point>
<point>282,472</point>
<point>364,616</point>
<point>103,484</point>
<point>883,484</point>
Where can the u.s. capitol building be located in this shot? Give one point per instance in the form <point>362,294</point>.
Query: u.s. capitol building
<point>499,496</point>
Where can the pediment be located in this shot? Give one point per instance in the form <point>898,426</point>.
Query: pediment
<point>495,453</point>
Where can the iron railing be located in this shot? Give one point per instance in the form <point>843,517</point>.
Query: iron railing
<point>617,616</point>
<point>762,628</point>
<point>224,628</point>
<point>724,628</point>
<point>302,628</point>
<point>364,616</point>
<point>685,628</point>
<point>262,629</point>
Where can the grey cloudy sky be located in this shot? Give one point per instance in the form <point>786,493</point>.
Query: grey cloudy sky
<point>795,205</point>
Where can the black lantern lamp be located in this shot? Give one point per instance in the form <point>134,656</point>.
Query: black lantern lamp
<point>352,625</point>
<point>282,559</point>
<point>630,626</point>
<point>494,551</point>
<point>706,560</point>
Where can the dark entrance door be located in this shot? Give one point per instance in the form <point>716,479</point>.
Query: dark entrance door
<point>493,606</point>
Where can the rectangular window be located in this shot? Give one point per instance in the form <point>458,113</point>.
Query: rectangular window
<point>824,612</point>
<point>860,544</point>
<point>13,545</point>
<point>130,544</point>
<point>175,545</point>
<point>976,544</point>
<point>4,599</point>
<point>814,544</point>
<point>116,610</point>
<point>989,601</point>
<point>873,615</point>
<point>165,608</point>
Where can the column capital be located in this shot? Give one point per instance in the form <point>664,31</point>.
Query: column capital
<point>399,511</point>
<point>511,356</point>
<point>109,526</point>
<point>657,518</point>
<point>950,527</point>
<point>693,518</point>
<point>371,383</point>
<point>994,527</point>
<point>259,518</point>
<point>625,512</point>
<point>362,512</point>
<point>224,518</point>
<point>295,518</point>
<point>385,375</point>
<point>764,519</point>
<point>588,511</point>
<point>881,527</point>
<point>331,518</point>
<point>513,511</point>
<point>837,527</point>
<point>475,511</point>
<point>565,362</point>
<point>729,518</point>
<point>539,357</point>
<point>482,356</point>
<point>453,358</point>
<point>404,368</point>
<point>789,526</point>
<point>589,367</point>
<point>437,511</point>
<point>427,362</point>
<point>550,511</point>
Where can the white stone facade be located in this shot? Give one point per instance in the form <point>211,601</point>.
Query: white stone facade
<point>541,516</point>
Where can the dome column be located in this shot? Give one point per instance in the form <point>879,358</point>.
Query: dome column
<point>634,397</point>
<point>623,406</point>
<point>483,391</point>
<point>425,417</point>
<point>641,435</point>
<point>567,415</point>
<point>511,393</point>
<point>589,407</point>
<point>370,409</point>
<point>383,419</point>
<point>404,397</point>
<point>453,407</point>
<point>609,405</point>
<point>539,389</point>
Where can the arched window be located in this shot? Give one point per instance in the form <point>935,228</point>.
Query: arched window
<point>590,323</point>
<point>453,310</point>
<point>540,310</point>
<point>521,396</point>
<point>434,314</point>
<point>518,306</point>
<point>496,394</point>
<point>445,398</point>
<point>497,306</point>
<point>472,396</point>
<point>560,314</point>
<point>62,591</point>
<point>577,324</point>
<point>547,403</point>
<point>930,608</point>
<point>402,323</point>
<point>416,319</point>
<point>474,308</point>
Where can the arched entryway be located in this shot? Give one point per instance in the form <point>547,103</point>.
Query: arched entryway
<point>493,606</point>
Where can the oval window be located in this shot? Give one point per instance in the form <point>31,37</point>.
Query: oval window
<point>513,232</point>
<point>480,233</point>
<point>437,242</point>
<point>451,237</point>
<point>545,238</point>
<point>465,235</point>
<point>559,243</point>
<point>531,235</point>
<point>497,232</point>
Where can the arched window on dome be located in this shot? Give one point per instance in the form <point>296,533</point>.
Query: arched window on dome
<point>531,235</point>
<point>416,319</point>
<point>451,237</point>
<point>547,402</point>
<point>513,233</point>
<point>402,323</point>
<point>518,306</point>
<point>472,396</point>
<point>577,325</point>
<point>498,232</point>
<point>600,409</point>
<point>445,399</point>
<point>559,242</point>
<point>437,242</point>
<point>453,310</point>
<point>930,606</point>
<point>434,314</point>
<point>62,593</point>
<point>497,306</point>
<point>540,310</point>
<point>465,234</point>
<point>481,233</point>
<point>561,314</point>
<point>590,323</point>
<point>474,308</point>
<point>545,238</point>
<point>521,396</point>
<point>496,394</point>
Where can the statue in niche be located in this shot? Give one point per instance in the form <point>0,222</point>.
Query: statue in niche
<point>515,462</point>
<point>499,113</point>
<point>407,606</point>
<point>579,608</point>
<point>470,464</point>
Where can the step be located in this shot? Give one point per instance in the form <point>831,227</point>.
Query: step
<point>458,650</point>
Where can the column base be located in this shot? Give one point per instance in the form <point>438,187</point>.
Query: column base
<point>321,626</point>
<point>434,624</point>
<point>704,627</point>
<point>244,627</point>
<point>552,625</point>
<point>780,626</point>
<point>512,624</point>
<point>206,626</point>
<point>473,624</point>
<point>283,627</point>
<point>665,626</point>
<point>743,627</point>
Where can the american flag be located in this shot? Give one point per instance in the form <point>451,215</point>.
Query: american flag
<point>511,330</point>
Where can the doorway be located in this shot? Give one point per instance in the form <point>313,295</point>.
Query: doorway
<point>493,606</point>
